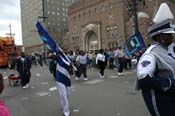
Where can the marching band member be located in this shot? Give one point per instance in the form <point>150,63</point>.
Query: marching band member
<point>156,69</point>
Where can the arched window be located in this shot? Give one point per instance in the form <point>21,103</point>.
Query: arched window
<point>110,5</point>
<point>89,12</point>
<point>92,42</point>
<point>103,8</point>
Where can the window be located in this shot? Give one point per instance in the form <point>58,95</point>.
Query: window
<point>103,8</point>
<point>89,12</point>
<point>0,48</point>
<point>110,5</point>
<point>48,28</point>
<point>84,13</point>
<point>54,29</point>
<point>112,32</point>
<point>96,10</point>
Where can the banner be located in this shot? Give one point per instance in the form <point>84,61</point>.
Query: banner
<point>134,43</point>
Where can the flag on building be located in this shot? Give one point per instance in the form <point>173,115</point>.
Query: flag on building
<point>134,43</point>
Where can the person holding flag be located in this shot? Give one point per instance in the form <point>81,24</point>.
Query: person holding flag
<point>156,69</point>
<point>63,80</point>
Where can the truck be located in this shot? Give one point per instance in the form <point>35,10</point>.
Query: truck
<point>8,52</point>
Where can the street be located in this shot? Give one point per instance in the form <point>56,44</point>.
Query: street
<point>112,96</point>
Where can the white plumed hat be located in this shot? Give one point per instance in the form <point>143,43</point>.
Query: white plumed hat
<point>162,21</point>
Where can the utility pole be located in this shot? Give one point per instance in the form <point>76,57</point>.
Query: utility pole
<point>43,17</point>
<point>43,10</point>
<point>10,34</point>
<point>134,12</point>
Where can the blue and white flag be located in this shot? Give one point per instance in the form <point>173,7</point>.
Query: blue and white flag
<point>134,44</point>
<point>63,63</point>
<point>46,38</point>
<point>62,70</point>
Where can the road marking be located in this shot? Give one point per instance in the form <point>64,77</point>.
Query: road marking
<point>76,110</point>
<point>131,72</point>
<point>37,75</point>
<point>42,94</point>
<point>5,77</point>
<point>126,82</point>
<point>25,98</point>
<point>53,88</point>
<point>44,83</point>
<point>118,114</point>
<point>72,88</point>
<point>112,77</point>
<point>94,81</point>
<point>32,87</point>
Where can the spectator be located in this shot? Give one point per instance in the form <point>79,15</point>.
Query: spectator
<point>120,55</point>
<point>111,59</point>
<point>100,60</point>
<point>4,111</point>
<point>81,60</point>
<point>23,68</point>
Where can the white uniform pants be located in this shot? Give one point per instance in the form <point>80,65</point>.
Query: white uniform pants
<point>64,92</point>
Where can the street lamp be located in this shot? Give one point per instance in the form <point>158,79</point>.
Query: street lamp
<point>43,17</point>
<point>132,4</point>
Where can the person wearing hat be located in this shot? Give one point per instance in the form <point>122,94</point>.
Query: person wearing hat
<point>156,69</point>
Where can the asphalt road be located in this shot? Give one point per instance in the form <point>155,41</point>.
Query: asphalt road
<point>112,96</point>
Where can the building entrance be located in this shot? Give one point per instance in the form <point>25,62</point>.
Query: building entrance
<point>92,41</point>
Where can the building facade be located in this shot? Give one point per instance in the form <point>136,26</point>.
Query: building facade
<point>51,13</point>
<point>95,24</point>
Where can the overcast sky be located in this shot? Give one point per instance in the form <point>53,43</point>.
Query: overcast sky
<point>10,14</point>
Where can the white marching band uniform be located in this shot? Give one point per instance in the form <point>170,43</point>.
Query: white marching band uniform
<point>156,70</point>
<point>63,81</point>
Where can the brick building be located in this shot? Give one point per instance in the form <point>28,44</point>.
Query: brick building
<point>95,24</point>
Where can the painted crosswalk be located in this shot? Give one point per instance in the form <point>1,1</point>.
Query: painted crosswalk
<point>94,81</point>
